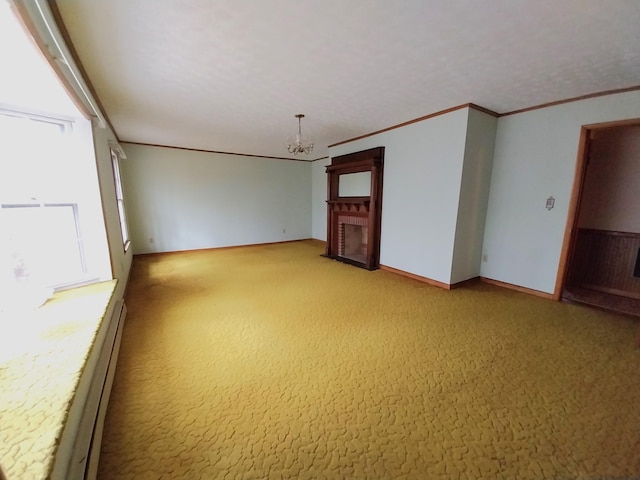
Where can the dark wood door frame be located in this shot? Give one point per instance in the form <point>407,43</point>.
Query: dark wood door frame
<point>571,229</point>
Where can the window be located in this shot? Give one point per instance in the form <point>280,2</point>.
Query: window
<point>52,229</point>
<point>115,162</point>
<point>47,204</point>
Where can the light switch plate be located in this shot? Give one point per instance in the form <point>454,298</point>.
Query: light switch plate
<point>550,203</point>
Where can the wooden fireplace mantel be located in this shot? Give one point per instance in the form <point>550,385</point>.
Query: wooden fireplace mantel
<point>362,211</point>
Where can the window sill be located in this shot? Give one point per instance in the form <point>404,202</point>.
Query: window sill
<point>49,349</point>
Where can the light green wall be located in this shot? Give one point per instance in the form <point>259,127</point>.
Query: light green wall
<point>182,200</point>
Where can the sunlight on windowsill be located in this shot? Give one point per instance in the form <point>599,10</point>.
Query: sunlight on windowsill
<point>43,352</point>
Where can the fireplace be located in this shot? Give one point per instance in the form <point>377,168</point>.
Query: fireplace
<point>353,238</point>
<point>353,214</point>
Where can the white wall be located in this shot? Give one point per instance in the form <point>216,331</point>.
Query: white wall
<point>474,196</point>
<point>534,158</point>
<point>422,174</point>
<point>610,195</point>
<point>120,260</point>
<point>319,198</point>
<point>181,200</point>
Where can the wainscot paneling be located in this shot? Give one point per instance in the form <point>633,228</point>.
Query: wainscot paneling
<point>606,260</point>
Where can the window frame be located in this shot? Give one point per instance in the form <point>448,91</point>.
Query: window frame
<point>120,202</point>
<point>88,255</point>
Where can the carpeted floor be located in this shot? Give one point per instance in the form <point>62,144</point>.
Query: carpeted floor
<point>274,362</point>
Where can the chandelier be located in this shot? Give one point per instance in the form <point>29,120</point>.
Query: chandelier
<point>298,146</point>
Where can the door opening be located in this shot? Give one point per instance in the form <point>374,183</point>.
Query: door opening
<point>602,236</point>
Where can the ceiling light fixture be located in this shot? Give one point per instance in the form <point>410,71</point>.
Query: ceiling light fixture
<point>299,145</point>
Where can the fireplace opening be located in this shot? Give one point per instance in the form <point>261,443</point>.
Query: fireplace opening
<point>353,242</point>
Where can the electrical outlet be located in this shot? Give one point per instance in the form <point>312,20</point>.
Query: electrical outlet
<point>284,230</point>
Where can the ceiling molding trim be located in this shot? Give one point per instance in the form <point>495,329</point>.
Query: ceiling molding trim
<point>572,99</point>
<point>57,17</point>
<point>218,152</point>
<point>321,158</point>
<point>484,110</point>
<point>491,112</point>
<point>420,119</point>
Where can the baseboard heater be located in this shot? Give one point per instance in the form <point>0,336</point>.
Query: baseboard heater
<point>95,386</point>
<point>119,314</point>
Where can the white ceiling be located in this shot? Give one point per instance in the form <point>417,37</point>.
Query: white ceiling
<point>229,75</point>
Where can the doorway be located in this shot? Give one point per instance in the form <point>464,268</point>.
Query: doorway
<point>600,262</point>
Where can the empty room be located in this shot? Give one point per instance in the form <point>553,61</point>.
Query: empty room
<point>319,240</point>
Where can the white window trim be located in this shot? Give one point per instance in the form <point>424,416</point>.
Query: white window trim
<point>117,153</point>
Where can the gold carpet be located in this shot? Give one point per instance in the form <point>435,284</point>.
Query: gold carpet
<point>273,362</point>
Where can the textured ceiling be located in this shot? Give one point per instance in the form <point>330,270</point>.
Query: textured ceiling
<point>229,75</point>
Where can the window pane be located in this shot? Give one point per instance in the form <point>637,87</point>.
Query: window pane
<point>37,160</point>
<point>123,222</point>
<point>42,244</point>
<point>120,198</point>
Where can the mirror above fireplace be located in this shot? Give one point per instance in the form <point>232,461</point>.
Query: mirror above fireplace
<point>354,184</point>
